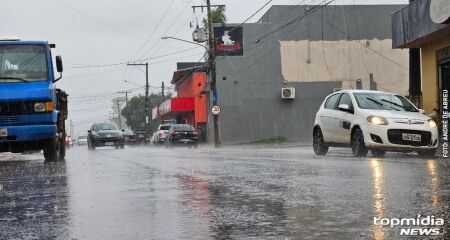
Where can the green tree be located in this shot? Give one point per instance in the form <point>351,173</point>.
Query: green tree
<point>218,15</point>
<point>134,112</point>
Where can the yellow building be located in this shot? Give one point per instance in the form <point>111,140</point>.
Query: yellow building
<point>424,26</point>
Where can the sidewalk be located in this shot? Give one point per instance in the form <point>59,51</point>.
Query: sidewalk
<point>269,145</point>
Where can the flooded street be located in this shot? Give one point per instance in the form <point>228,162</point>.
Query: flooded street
<point>206,193</point>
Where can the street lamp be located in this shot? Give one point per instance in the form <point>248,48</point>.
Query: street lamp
<point>179,39</point>
<point>212,72</point>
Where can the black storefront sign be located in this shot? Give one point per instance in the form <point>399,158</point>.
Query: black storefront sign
<point>228,41</point>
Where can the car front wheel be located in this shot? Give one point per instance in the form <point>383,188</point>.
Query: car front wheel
<point>320,148</point>
<point>358,146</point>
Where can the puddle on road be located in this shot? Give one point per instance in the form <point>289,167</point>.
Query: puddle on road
<point>231,194</point>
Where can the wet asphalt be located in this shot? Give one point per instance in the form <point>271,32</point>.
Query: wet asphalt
<point>242,192</point>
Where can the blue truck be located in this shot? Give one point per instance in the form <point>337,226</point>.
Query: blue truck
<point>32,110</point>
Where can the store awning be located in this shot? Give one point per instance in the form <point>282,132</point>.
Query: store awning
<point>174,105</point>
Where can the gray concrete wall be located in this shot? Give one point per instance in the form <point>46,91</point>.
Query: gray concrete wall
<point>250,97</point>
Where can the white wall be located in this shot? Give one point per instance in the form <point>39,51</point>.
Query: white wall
<point>389,66</point>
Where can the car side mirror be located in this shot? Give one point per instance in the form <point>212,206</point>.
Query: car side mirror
<point>344,107</point>
<point>422,111</point>
<point>59,67</point>
<point>59,64</point>
<point>89,131</point>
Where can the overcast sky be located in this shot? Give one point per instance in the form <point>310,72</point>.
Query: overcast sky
<point>99,32</point>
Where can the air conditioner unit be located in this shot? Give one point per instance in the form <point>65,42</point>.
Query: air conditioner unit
<point>288,93</point>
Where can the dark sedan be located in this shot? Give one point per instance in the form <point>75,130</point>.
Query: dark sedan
<point>105,135</point>
<point>142,136</point>
<point>182,134</point>
<point>130,137</point>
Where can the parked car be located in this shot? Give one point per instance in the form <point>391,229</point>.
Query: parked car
<point>168,122</point>
<point>159,137</point>
<point>69,142</point>
<point>142,136</point>
<point>129,137</point>
<point>82,140</point>
<point>373,120</point>
<point>105,134</point>
<point>182,134</point>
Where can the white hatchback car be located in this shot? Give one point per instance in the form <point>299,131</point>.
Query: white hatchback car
<point>373,120</point>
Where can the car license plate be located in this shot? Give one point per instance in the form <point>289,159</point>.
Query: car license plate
<point>185,140</point>
<point>411,137</point>
<point>109,144</point>
<point>3,132</point>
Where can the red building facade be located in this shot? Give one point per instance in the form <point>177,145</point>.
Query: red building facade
<point>189,106</point>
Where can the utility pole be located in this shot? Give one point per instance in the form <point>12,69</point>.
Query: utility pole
<point>162,92</point>
<point>212,72</point>
<point>126,95</point>
<point>118,114</point>
<point>212,68</point>
<point>147,99</point>
<point>71,127</point>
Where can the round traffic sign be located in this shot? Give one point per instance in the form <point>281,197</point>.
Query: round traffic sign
<point>215,110</point>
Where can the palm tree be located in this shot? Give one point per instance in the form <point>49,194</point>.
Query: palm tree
<point>218,15</point>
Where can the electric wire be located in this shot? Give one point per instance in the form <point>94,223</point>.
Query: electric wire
<point>171,25</point>
<point>368,47</point>
<point>154,29</point>
<point>134,61</point>
<point>95,20</point>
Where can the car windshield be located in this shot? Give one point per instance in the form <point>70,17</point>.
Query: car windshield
<point>128,132</point>
<point>183,128</point>
<point>165,127</point>
<point>105,127</point>
<point>380,101</point>
<point>22,63</point>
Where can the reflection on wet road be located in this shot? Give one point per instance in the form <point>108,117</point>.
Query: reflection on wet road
<point>230,193</point>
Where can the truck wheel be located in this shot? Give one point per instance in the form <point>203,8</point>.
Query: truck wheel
<point>62,148</point>
<point>52,151</point>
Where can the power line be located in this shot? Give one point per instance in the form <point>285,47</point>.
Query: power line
<point>94,19</point>
<point>92,74</point>
<point>294,20</point>
<point>154,29</point>
<point>251,16</point>
<point>368,47</point>
<point>297,21</point>
<point>140,60</point>
<point>167,30</point>
<point>323,52</point>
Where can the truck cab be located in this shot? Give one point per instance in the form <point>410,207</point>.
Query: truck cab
<point>32,110</point>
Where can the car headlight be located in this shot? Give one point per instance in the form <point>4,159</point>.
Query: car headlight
<point>432,123</point>
<point>377,120</point>
<point>43,107</point>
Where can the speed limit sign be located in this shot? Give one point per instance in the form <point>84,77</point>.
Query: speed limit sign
<point>215,110</point>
